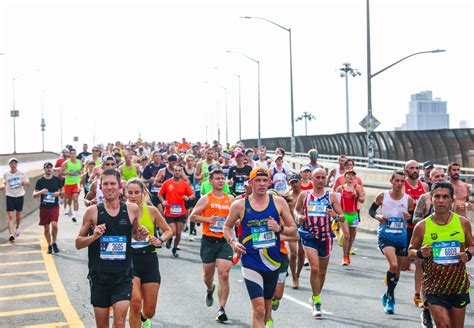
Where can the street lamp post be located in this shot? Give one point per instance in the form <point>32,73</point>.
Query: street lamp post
<point>346,69</point>
<point>226,121</point>
<point>43,122</point>
<point>306,117</point>
<point>240,110</point>
<point>293,140</point>
<point>370,119</point>
<point>259,141</point>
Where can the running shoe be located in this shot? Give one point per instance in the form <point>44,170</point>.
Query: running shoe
<point>345,261</point>
<point>340,242</point>
<point>425,317</point>
<point>352,251</point>
<point>390,305</point>
<point>269,324</point>
<point>306,263</point>
<point>317,313</point>
<point>417,301</point>
<point>174,251</point>
<point>168,243</point>
<point>275,304</point>
<point>17,232</point>
<point>191,237</point>
<point>55,248</point>
<point>209,295</point>
<point>50,249</point>
<point>147,324</point>
<point>384,299</point>
<point>11,239</point>
<point>221,316</point>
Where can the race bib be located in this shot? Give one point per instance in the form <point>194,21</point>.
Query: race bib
<point>217,227</point>
<point>88,186</point>
<point>317,209</point>
<point>394,225</point>
<point>444,252</point>
<point>14,182</point>
<point>113,248</point>
<point>175,209</point>
<point>262,237</point>
<point>239,187</point>
<point>49,198</point>
<point>73,173</point>
<point>155,189</point>
<point>196,187</point>
<point>139,244</point>
<point>280,186</point>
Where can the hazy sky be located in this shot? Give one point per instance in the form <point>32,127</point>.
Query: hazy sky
<point>118,69</point>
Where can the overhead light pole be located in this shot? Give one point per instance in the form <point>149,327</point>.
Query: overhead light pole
<point>346,69</point>
<point>307,116</point>
<point>293,139</point>
<point>369,120</point>
<point>43,122</point>
<point>259,141</point>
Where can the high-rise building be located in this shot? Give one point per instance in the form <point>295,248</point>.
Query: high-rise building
<point>426,113</point>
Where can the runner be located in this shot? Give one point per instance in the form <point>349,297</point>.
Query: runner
<point>206,186</point>
<point>426,177</point>
<point>281,152</point>
<point>149,174</point>
<point>107,231</point>
<point>86,175</point>
<point>146,270</point>
<point>202,168</point>
<point>249,155</point>
<point>414,188</point>
<point>305,175</point>
<point>296,248</point>
<point>316,208</point>
<point>444,242</point>
<point>462,190</point>
<point>278,176</point>
<point>392,232</point>
<point>95,195</point>
<point>14,183</point>
<point>336,172</point>
<point>313,160</point>
<point>84,154</point>
<point>238,174</point>
<point>263,159</point>
<point>189,171</point>
<point>129,170</point>
<point>176,191</point>
<point>261,216</point>
<point>351,195</point>
<point>72,170</point>
<point>49,188</point>
<point>211,210</point>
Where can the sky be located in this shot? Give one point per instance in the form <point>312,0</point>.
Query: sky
<point>113,70</point>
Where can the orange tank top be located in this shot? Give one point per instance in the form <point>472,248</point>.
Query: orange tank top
<point>218,207</point>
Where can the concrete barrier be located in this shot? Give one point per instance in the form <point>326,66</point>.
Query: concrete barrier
<point>28,157</point>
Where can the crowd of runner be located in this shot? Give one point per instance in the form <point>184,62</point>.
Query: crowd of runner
<point>254,211</point>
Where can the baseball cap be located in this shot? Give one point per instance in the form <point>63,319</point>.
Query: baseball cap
<point>305,168</point>
<point>259,172</point>
<point>294,177</point>
<point>248,151</point>
<point>214,167</point>
<point>172,158</point>
<point>45,165</point>
<point>13,159</point>
<point>238,153</point>
<point>108,158</point>
<point>144,158</point>
<point>352,171</point>
<point>427,164</point>
<point>279,157</point>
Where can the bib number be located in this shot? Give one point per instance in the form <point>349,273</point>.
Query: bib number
<point>394,225</point>
<point>155,189</point>
<point>262,237</point>
<point>444,252</point>
<point>239,187</point>
<point>139,244</point>
<point>175,209</point>
<point>113,248</point>
<point>280,186</point>
<point>49,198</point>
<point>217,227</point>
<point>14,183</point>
<point>317,209</point>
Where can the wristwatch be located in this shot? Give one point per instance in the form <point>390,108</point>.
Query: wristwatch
<point>161,239</point>
<point>231,240</point>
<point>282,228</point>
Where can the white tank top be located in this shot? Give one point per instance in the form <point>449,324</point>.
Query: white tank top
<point>338,173</point>
<point>394,208</point>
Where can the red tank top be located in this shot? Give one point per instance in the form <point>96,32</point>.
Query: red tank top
<point>348,200</point>
<point>414,193</point>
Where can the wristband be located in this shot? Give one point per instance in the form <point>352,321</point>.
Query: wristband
<point>231,240</point>
<point>469,255</point>
<point>161,239</point>
<point>282,228</point>
<point>420,255</point>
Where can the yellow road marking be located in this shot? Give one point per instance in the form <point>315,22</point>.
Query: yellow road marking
<point>21,262</point>
<point>62,297</point>
<point>20,253</point>
<point>8,274</point>
<point>48,325</point>
<point>29,311</point>
<point>20,297</point>
<point>17,244</point>
<point>28,284</point>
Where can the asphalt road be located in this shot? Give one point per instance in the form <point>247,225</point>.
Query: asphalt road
<point>31,294</point>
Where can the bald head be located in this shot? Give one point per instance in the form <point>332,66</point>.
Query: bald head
<point>411,163</point>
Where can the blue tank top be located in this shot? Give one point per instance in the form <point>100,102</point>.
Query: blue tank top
<point>261,244</point>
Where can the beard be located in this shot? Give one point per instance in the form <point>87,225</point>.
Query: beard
<point>455,177</point>
<point>414,175</point>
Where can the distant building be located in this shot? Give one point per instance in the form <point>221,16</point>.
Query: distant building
<point>464,124</point>
<point>426,113</point>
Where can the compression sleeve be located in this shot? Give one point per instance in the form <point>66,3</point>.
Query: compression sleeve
<point>373,210</point>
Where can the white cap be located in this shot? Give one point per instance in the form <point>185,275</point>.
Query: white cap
<point>13,159</point>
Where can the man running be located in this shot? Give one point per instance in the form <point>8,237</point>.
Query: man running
<point>462,190</point>
<point>14,183</point>
<point>239,174</point>
<point>336,172</point>
<point>107,231</point>
<point>72,170</point>
<point>426,177</point>
<point>202,168</point>
<point>149,174</point>
<point>444,241</point>
<point>212,210</point>
<point>261,216</point>
<point>49,188</point>
<point>313,160</point>
<point>392,232</point>
<point>129,170</point>
<point>176,191</point>
<point>316,209</point>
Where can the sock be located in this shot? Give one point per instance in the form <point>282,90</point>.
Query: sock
<point>316,299</point>
<point>143,319</point>
<point>391,283</point>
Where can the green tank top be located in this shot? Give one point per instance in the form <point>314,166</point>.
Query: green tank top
<point>205,170</point>
<point>450,232</point>
<point>147,221</point>
<point>74,176</point>
<point>127,174</point>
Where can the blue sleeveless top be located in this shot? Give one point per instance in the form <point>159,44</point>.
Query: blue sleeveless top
<point>262,245</point>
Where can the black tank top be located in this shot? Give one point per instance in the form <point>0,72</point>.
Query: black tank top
<point>168,175</point>
<point>110,255</point>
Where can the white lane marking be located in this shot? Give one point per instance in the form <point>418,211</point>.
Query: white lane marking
<point>303,304</point>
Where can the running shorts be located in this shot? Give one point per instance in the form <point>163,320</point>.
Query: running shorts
<point>260,283</point>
